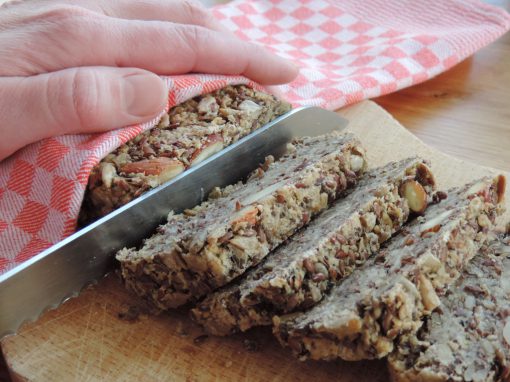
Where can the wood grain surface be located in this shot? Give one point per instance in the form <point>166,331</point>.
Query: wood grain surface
<point>87,340</point>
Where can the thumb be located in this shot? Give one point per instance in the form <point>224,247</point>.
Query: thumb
<point>78,100</point>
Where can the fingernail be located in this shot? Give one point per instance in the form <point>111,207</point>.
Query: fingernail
<point>292,70</point>
<point>144,94</point>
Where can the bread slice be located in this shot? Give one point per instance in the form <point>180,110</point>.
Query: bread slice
<point>188,134</point>
<point>203,249</point>
<point>468,337</point>
<point>301,271</point>
<point>388,296</point>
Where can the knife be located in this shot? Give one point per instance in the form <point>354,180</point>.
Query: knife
<point>61,271</point>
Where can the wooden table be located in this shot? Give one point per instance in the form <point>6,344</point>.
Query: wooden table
<point>464,112</point>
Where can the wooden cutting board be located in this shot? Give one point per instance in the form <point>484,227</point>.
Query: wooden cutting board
<point>99,337</point>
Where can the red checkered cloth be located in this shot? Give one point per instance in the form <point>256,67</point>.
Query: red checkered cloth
<point>348,50</point>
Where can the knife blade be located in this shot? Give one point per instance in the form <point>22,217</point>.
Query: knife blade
<point>61,271</point>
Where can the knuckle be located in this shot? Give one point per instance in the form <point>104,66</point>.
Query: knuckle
<point>80,99</point>
<point>61,12</point>
<point>196,12</point>
<point>85,98</point>
<point>190,41</point>
<point>65,19</point>
<point>191,36</point>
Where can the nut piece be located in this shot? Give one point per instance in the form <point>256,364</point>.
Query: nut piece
<point>163,168</point>
<point>501,187</point>
<point>484,221</point>
<point>208,105</point>
<point>249,106</point>
<point>246,215</point>
<point>428,294</point>
<point>108,172</point>
<point>433,229</point>
<point>506,331</point>
<point>424,175</point>
<point>415,195</point>
<point>357,162</point>
<point>213,144</point>
<point>265,192</point>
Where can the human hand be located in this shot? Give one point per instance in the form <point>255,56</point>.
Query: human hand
<point>76,66</point>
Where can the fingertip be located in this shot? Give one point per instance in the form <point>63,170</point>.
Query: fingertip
<point>267,68</point>
<point>144,94</point>
<point>287,73</point>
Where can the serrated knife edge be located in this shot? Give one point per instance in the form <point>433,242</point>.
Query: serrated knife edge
<point>63,270</point>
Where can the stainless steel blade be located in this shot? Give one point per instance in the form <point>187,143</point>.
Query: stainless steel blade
<point>64,269</point>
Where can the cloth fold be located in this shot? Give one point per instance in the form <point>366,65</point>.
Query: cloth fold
<point>348,50</point>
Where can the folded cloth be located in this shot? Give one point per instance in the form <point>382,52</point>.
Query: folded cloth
<point>348,50</point>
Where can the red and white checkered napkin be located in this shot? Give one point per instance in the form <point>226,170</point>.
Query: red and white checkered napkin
<point>348,50</point>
